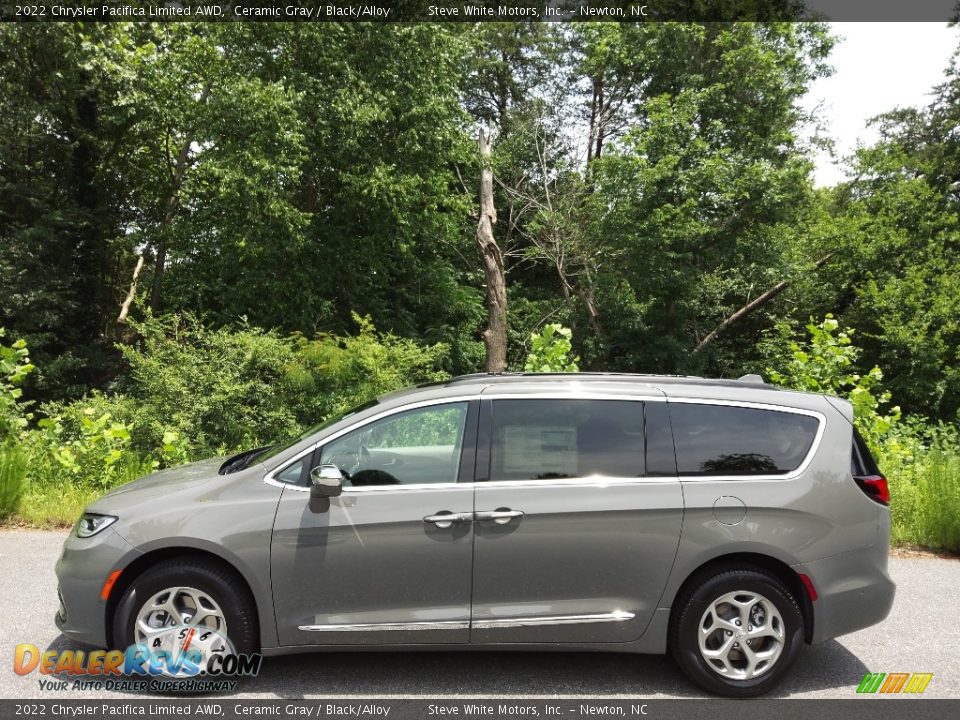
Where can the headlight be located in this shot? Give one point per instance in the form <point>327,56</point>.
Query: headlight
<point>90,524</point>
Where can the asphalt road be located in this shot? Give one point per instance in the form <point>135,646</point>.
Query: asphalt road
<point>922,634</point>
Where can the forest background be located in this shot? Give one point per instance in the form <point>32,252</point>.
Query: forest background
<point>214,235</point>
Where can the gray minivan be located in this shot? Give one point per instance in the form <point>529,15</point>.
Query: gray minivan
<point>726,522</point>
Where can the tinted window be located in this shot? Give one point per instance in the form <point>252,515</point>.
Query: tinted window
<point>412,447</point>
<point>543,439</point>
<point>861,461</point>
<point>724,440</point>
<point>292,473</point>
<point>661,460</point>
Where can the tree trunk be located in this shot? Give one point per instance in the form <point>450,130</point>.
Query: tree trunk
<point>495,334</point>
<point>593,125</point>
<point>601,123</point>
<point>172,205</point>
<point>173,202</point>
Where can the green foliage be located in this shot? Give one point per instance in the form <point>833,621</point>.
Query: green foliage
<point>98,456</point>
<point>925,492</point>
<point>59,205</point>
<point>825,363</point>
<point>217,389</point>
<point>306,176</point>
<point>14,367</point>
<point>13,473</point>
<point>894,229</point>
<point>334,373</point>
<point>921,462</point>
<point>50,505</point>
<point>550,351</point>
<point>695,203</point>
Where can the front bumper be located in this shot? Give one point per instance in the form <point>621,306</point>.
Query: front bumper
<point>83,567</point>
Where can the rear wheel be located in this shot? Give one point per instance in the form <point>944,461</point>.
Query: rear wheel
<point>737,631</point>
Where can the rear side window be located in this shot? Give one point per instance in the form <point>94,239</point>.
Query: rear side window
<point>727,440</point>
<point>862,463</point>
<point>547,439</point>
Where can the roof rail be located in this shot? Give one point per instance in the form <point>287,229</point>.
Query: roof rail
<point>485,377</point>
<point>480,377</point>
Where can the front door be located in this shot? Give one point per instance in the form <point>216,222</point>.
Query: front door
<point>388,561</point>
<point>574,537</point>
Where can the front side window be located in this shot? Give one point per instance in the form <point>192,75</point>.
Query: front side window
<point>548,439</point>
<point>411,447</point>
<point>728,440</point>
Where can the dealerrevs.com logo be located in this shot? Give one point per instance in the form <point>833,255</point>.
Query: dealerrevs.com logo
<point>892,683</point>
<point>180,658</point>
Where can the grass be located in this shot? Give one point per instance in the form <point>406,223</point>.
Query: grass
<point>925,499</point>
<point>47,506</point>
<point>13,471</point>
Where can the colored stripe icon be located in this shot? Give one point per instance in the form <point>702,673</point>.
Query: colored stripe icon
<point>890,683</point>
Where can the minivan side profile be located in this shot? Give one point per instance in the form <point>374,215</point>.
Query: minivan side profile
<point>725,522</point>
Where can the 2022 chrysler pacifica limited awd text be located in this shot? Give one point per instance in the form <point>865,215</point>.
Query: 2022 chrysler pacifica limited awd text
<point>723,521</point>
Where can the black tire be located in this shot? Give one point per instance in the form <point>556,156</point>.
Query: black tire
<point>694,602</point>
<point>217,580</point>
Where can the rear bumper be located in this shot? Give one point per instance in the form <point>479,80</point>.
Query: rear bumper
<point>854,591</point>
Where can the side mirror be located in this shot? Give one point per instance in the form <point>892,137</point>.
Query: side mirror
<point>326,481</point>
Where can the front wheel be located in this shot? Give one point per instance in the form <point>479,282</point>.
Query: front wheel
<point>737,631</point>
<point>184,603</point>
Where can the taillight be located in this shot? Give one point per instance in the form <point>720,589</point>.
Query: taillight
<point>875,487</point>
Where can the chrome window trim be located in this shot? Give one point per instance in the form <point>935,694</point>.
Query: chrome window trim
<point>576,395</point>
<point>592,481</point>
<point>485,624</point>
<point>589,481</point>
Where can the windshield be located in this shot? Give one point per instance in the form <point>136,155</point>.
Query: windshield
<point>333,419</point>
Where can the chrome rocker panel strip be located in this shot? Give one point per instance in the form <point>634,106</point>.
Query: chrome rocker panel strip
<point>377,627</point>
<point>619,616</point>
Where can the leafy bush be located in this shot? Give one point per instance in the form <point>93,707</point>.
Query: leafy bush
<point>921,463</point>
<point>99,456</point>
<point>14,367</point>
<point>550,351</point>
<point>825,364</point>
<point>333,373</point>
<point>219,389</point>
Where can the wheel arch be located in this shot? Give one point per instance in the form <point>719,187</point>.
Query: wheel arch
<point>778,568</point>
<point>149,559</point>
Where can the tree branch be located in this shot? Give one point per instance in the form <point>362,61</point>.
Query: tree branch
<point>751,306</point>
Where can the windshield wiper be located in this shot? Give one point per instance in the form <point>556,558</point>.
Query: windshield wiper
<point>242,460</point>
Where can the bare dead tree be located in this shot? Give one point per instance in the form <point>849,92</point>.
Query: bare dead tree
<point>556,236</point>
<point>495,334</point>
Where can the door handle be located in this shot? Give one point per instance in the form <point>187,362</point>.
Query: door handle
<point>445,519</point>
<point>500,517</point>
